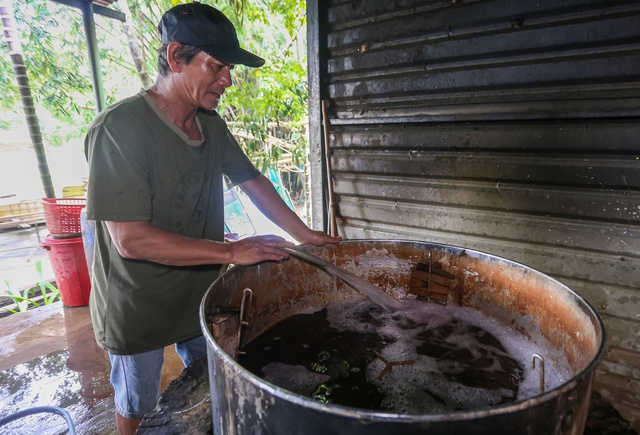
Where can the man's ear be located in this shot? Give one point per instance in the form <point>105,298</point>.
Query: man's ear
<point>174,63</point>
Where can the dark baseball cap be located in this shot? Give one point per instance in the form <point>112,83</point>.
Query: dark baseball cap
<point>208,29</point>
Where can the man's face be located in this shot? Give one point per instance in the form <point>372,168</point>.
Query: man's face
<point>205,80</point>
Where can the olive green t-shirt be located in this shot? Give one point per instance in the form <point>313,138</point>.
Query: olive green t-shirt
<point>143,168</point>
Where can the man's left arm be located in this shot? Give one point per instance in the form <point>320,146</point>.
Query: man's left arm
<point>266,198</point>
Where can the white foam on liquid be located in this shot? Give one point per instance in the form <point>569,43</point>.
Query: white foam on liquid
<point>421,387</point>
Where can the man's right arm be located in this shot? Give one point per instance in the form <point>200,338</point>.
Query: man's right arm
<point>143,241</point>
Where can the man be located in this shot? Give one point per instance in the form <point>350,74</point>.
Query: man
<point>156,162</point>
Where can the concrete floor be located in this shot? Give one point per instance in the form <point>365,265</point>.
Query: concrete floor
<point>49,357</point>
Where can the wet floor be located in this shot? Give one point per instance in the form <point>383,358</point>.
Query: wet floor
<point>49,357</point>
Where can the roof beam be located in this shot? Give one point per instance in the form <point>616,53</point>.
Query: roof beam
<point>100,10</point>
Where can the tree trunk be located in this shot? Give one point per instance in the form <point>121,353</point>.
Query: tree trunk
<point>15,52</point>
<point>138,57</point>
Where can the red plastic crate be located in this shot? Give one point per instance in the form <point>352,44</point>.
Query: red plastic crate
<point>62,215</point>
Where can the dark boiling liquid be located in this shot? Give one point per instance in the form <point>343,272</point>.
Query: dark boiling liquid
<point>438,364</point>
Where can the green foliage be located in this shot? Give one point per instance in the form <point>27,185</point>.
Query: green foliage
<point>56,58</point>
<point>47,298</point>
<point>24,300</point>
<point>55,55</point>
<point>277,92</point>
<point>7,83</point>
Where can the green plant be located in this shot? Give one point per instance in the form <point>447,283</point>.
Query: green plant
<point>22,302</point>
<point>46,285</point>
<point>49,292</point>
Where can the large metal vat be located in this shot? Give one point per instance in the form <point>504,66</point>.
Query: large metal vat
<point>547,311</point>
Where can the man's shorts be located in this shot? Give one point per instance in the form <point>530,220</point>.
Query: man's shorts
<point>136,378</point>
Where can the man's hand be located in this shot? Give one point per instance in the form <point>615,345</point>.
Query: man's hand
<point>318,238</point>
<point>256,249</point>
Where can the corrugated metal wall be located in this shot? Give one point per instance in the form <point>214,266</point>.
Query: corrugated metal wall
<point>511,127</point>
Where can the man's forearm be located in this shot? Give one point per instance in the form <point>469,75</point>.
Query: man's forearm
<point>143,241</point>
